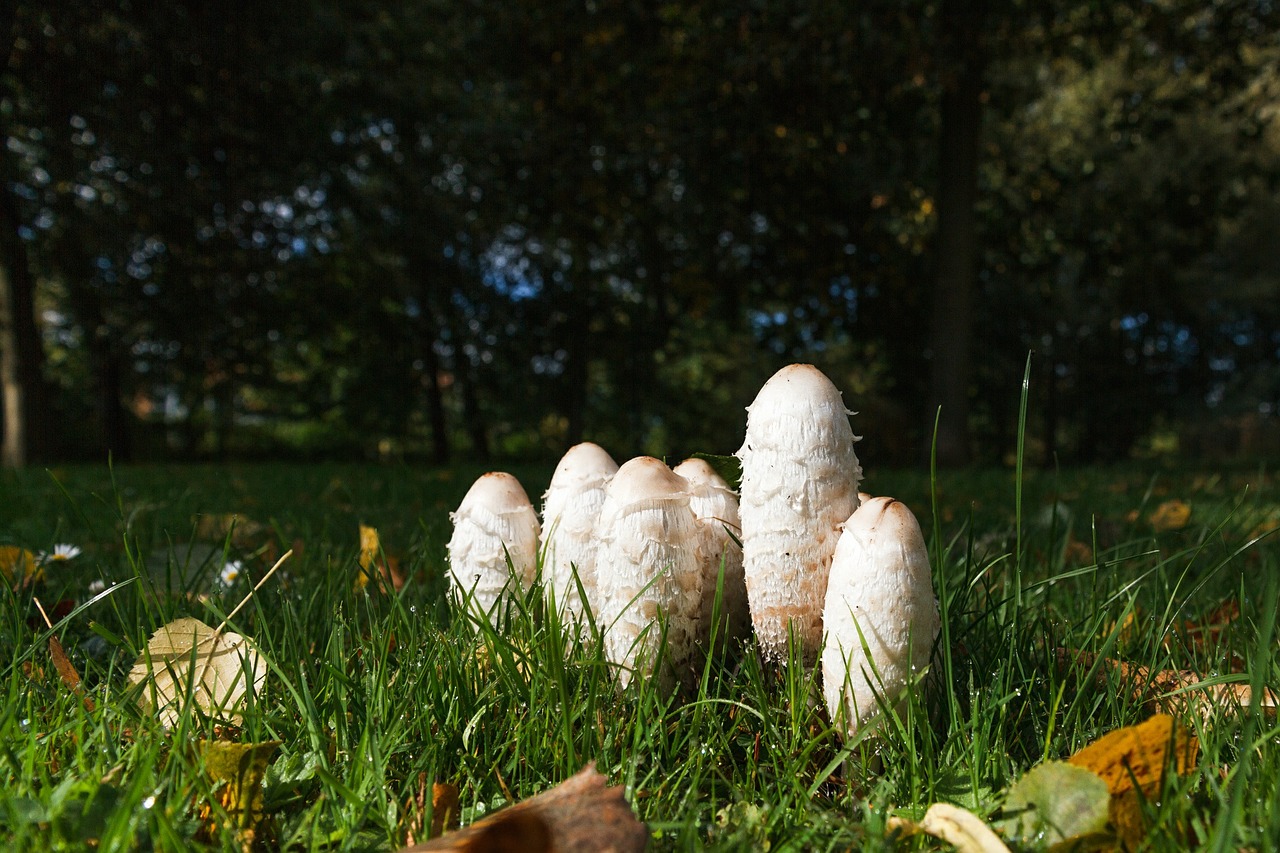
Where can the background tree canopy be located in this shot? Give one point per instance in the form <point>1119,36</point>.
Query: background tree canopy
<point>426,227</point>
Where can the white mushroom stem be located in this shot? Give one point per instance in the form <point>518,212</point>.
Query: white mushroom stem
<point>880,616</point>
<point>648,567</point>
<point>799,483</point>
<point>570,509</point>
<point>494,524</point>
<point>716,507</point>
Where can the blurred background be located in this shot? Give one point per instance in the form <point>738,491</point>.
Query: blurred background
<point>438,231</point>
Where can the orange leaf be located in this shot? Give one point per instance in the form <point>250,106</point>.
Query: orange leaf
<point>444,808</point>
<point>18,565</point>
<point>1133,761</point>
<point>1170,515</point>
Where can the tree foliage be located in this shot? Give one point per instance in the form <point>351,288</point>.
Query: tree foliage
<point>428,226</point>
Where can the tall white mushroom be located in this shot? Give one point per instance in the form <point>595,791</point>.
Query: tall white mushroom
<point>880,616</point>
<point>494,522</point>
<point>799,483</point>
<point>570,509</point>
<point>649,565</point>
<point>716,507</point>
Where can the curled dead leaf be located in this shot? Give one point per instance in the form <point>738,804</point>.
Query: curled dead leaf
<point>580,814</point>
<point>1170,515</point>
<point>958,827</point>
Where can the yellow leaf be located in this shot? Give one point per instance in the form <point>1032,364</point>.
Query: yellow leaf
<point>236,771</point>
<point>369,547</point>
<point>1170,515</point>
<point>18,565</point>
<point>1132,761</point>
<point>186,659</point>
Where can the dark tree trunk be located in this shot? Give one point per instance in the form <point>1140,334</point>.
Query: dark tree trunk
<point>472,418</point>
<point>28,423</point>
<point>435,405</point>
<point>961,68</point>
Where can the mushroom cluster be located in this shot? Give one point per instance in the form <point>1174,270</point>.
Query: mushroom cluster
<point>816,569</point>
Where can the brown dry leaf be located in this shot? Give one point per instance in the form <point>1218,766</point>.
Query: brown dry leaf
<point>1132,761</point>
<point>1172,691</point>
<point>246,534</point>
<point>1170,515</point>
<point>1077,552</point>
<point>960,828</point>
<point>444,808</point>
<point>580,814</point>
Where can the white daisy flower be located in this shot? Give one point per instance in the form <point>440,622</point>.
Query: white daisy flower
<point>60,554</point>
<point>97,586</point>
<point>231,571</point>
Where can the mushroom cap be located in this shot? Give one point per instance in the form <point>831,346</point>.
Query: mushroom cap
<point>800,479</point>
<point>798,408</point>
<point>582,464</point>
<point>645,478</point>
<point>495,522</point>
<point>496,491</point>
<point>879,600</point>
<point>700,473</point>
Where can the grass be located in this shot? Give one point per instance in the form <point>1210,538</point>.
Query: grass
<point>374,696</point>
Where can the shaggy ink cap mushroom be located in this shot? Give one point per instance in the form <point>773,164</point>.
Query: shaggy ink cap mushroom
<point>716,507</point>
<point>800,479</point>
<point>648,567</point>
<point>570,509</point>
<point>495,522</point>
<point>880,617</point>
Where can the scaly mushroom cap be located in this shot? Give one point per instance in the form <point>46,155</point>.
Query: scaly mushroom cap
<point>799,483</point>
<point>716,507</point>
<point>495,520</point>
<point>648,563</point>
<point>880,594</point>
<point>570,509</point>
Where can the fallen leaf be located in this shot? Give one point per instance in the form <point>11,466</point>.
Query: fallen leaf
<point>372,557</point>
<point>18,565</point>
<point>217,667</point>
<point>1055,802</point>
<point>1172,691</point>
<point>1170,515</point>
<point>235,771</point>
<point>580,814</point>
<point>246,534</point>
<point>958,827</point>
<point>445,809</point>
<point>1132,761</point>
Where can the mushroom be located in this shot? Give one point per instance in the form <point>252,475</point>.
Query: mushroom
<point>569,512</point>
<point>495,537</point>
<point>649,566</point>
<point>799,482</point>
<point>716,507</point>
<point>880,616</point>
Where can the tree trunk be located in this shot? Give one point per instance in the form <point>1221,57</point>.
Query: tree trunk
<point>962,65</point>
<point>27,420</point>
<point>435,405</point>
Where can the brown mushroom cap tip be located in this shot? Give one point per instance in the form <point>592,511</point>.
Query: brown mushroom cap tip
<point>497,490</point>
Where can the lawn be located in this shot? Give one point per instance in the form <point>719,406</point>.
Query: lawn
<point>375,695</point>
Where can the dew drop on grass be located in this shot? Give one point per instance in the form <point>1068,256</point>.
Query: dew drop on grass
<point>149,802</point>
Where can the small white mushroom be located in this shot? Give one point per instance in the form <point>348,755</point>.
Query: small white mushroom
<point>495,522</point>
<point>649,566</point>
<point>799,482</point>
<point>570,509</point>
<point>881,615</point>
<point>716,507</point>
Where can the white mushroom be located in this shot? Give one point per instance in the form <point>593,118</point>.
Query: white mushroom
<point>649,566</point>
<point>494,523</point>
<point>570,509</point>
<point>880,616</point>
<point>716,507</point>
<point>799,482</point>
